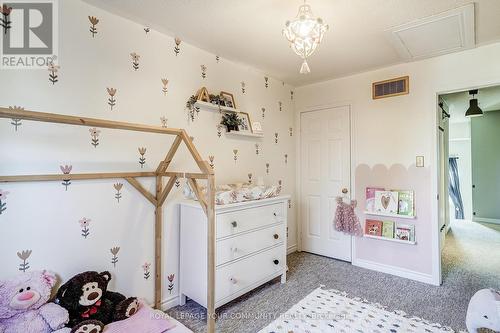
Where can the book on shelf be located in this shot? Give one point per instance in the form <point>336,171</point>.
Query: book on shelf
<point>373,227</point>
<point>386,202</point>
<point>405,232</point>
<point>370,198</point>
<point>388,229</point>
<point>406,203</point>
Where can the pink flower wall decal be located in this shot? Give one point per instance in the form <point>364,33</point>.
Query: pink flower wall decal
<point>275,137</point>
<point>118,188</point>
<point>170,279</point>
<point>243,87</point>
<point>250,178</point>
<point>114,251</point>
<point>203,71</point>
<point>280,105</point>
<point>142,159</point>
<point>135,60</point>
<point>286,158</point>
<point>66,169</point>
<point>111,99</point>
<point>266,81</point>
<point>164,121</point>
<point>219,130</point>
<point>93,21</point>
<point>16,122</point>
<point>85,225</point>
<point>53,69</point>
<point>146,268</point>
<point>165,84</point>
<point>290,131</point>
<point>5,22</point>
<point>267,168</point>
<point>24,255</point>
<point>263,112</point>
<point>211,158</point>
<point>94,134</point>
<point>291,95</point>
<point>177,49</point>
<point>235,153</point>
<point>257,149</point>
<point>3,204</point>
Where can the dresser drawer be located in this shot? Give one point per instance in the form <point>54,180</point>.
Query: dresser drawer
<point>232,223</point>
<point>239,246</point>
<point>243,273</point>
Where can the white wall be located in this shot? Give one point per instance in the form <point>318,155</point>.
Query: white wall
<point>460,146</point>
<point>393,131</point>
<point>43,217</point>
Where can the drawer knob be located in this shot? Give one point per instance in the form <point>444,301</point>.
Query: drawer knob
<point>276,236</point>
<point>275,214</point>
<point>234,224</point>
<point>276,261</point>
<point>233,280</point>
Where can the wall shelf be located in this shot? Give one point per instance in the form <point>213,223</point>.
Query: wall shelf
<point>391,239</point>
<point>243,134</point>
<point>214,107</point>
<point>390,215</point>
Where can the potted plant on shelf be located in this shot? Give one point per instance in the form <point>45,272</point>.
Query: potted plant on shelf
<point>231,121</point>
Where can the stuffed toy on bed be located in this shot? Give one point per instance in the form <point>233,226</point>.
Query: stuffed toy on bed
<point>24,307</point>
<point>91,305</point>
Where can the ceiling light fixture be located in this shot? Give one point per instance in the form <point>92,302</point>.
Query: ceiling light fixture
<point>304,33</point>
<point>474,110</point>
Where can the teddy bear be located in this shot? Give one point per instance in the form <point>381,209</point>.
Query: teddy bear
<point>24,307</point>
<point>90,305</point>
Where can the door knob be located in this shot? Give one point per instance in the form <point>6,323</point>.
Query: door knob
<point>345,190</point>
<point>276,236</point>
<point>233,280</point>
<point>276,261</point>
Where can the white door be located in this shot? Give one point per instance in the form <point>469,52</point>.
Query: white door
<point>325,171</point>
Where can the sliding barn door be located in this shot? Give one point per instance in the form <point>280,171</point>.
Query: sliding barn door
<point>325,171</point>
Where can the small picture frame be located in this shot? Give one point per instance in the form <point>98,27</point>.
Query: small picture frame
<point>247,123</point>
<point>227,99</point>
<point>257,127</point>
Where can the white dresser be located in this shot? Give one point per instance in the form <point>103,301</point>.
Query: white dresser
<point>250,248</point>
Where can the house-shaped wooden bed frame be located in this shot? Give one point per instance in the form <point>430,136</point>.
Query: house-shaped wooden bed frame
<point>157,199</point>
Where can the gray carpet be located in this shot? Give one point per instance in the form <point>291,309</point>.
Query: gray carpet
<point>470,262</point>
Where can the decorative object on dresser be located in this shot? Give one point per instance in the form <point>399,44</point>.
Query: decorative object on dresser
<point>250,248</point>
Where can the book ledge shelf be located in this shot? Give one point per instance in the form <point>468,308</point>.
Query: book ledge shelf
<point>391,239</point>
<point>390,215</point>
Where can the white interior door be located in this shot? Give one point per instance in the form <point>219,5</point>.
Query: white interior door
<point>325,171</point>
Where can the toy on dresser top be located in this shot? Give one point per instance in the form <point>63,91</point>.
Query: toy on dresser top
<point>232,193</point>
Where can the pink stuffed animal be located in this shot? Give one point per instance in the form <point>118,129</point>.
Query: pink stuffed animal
<point>24,307</point>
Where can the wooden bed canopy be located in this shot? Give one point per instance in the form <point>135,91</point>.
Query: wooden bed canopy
<point>157,199</point>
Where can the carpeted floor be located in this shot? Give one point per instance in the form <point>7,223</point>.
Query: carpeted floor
<point>470,262</point>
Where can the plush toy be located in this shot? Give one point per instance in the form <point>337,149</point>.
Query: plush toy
<point>91,305</point>
<point>484,311</point>
<point>24,307</point>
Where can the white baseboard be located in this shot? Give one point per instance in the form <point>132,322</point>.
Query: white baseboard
<point>170,302</point>
<point>397,271</point>
<point>291,249</point>
<point>486,220</point>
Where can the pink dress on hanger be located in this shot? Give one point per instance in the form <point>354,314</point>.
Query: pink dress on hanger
<point>346,219</point>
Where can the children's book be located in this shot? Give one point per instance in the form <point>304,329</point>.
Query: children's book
<point>406,203</point>
<point>388,229</point>
<point>370,198</point>
<point>405,232</point>
<point>386,202</point>
<point>373,227</point>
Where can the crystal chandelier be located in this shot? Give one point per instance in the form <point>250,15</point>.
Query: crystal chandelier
<point>304,33</point>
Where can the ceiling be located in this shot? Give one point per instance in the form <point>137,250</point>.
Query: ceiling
<point>249,32</point>
<point>458,103</point>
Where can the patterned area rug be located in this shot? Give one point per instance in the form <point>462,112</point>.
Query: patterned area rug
<point>332,311</point>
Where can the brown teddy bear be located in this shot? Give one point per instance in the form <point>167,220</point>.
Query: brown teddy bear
<point>91,305</point>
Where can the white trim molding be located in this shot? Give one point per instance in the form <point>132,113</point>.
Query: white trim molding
<point>170,302</point>
<point>397,271</point>
<point>486,220</point>
<point>291,249</point>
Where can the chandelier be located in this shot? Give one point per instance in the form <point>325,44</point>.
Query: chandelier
<point>304,33</point>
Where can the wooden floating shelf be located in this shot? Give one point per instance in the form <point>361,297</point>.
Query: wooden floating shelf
<point>243,134</point>
<point>390,215</point>
<point>392,239</point>
<point>214,107</point>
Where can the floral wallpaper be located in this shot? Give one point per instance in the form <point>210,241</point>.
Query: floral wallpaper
<point>146,78</point>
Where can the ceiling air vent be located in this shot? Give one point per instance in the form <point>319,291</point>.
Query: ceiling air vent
<point>392,87</point>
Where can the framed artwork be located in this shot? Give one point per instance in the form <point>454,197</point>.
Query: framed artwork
<point>227,99</point>
<point>246,125</point>
<point>257,127</point>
